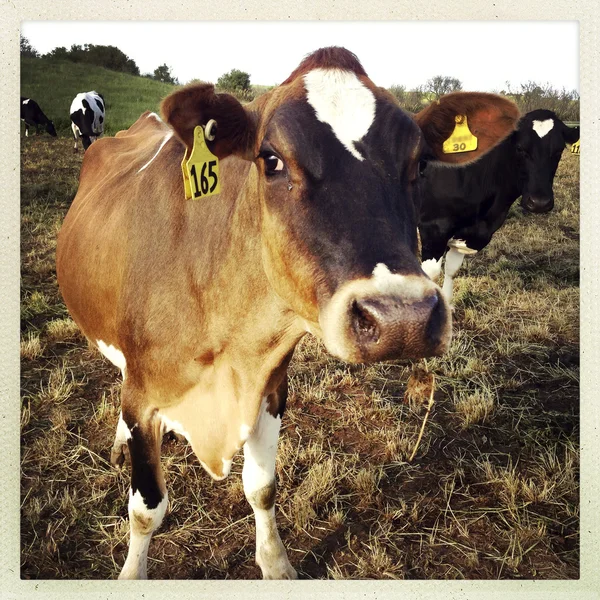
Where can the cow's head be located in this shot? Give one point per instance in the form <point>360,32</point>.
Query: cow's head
<point>336,165</point>
<point>50,129</point>
<point>540,139</point>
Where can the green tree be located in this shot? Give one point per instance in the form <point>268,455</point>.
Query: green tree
<point>163,73</point>
<point>109,57</point>
<point>234,81</point>
<point>27,49</point>
<point>441,85</point>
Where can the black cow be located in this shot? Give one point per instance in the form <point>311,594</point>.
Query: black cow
<point>463,207</point>
<point>87,118</point>
<point>32,114</point>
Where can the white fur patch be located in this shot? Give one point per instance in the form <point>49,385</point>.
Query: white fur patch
<point>26,101</point>
<point>170,425</point>
<point>167,138</point>
<point>153,114</point>
<point>343,102</point>
<point>407,287</point>
<point>432,268</point>
<point>123,434</point>
<point>260,450</point>
<point>244,432</point>
<point>113,354</point>
<point>543,127</point>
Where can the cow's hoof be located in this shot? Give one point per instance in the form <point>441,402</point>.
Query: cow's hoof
<point>119,455</point>
<point>281,569</point>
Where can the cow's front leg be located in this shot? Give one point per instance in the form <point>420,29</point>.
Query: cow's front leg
<point>147,495</point>
<point>258,476</point>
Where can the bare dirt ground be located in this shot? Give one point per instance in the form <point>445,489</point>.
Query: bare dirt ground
<point>493,491</point>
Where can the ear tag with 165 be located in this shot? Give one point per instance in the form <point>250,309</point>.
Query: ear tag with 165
<point>201,169</point>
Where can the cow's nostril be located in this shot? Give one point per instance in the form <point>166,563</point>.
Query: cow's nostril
<point>364,323</point>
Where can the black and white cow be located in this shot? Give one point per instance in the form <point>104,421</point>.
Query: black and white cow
<point>87,118</point>
<point>32,114</point>
<point>463,207</point>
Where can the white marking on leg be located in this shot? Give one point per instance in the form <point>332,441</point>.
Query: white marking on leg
<point>167,138</point>
<point>258,476</point>
<point>432,268</point>
<point>341,100</point>
<point>454,259</point>
<point>26,131</point>
<point>143,521</point>
<point>113,354</point>
<point>543,127</point>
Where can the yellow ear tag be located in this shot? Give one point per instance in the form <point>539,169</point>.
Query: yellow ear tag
<point>461,140</point>
<point>201,169</point>
<point>575,147</point>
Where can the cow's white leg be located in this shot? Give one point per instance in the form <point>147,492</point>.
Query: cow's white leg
<point>148,494</point>
<point>75,130</point>
<point>454,260</point>
<point>143,521</point>
<point>258,476</point>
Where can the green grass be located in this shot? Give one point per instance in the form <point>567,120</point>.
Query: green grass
<point>126,96</point>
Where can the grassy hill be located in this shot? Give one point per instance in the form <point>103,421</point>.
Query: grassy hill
<point>53,84</point>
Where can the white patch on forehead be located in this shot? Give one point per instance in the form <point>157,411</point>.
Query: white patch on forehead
<point>113,354</point>
<point>543,127</point>
<point>26,101</point>
<point>167,138</point>
<point>343,102</point>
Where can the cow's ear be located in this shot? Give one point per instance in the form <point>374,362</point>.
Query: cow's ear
<point>571,134</point>
<point>490,118</point>
<point>197,104</point>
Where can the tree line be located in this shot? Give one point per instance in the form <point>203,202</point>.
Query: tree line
<point>109,57</point>
<point>527,96</point>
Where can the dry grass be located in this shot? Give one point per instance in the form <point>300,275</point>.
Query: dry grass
<point>493,491</point>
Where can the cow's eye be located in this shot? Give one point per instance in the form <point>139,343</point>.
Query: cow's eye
<point>422,167</point>
<point>273,164</point>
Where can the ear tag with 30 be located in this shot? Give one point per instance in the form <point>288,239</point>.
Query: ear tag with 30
<point>461,140</point>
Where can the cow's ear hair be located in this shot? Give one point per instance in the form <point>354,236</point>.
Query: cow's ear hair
<point>196,104</point>
<point>570,134</point>
<point>490,118</point>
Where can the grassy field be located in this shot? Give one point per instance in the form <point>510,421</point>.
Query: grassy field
<point>127,96</point>
<point>493,491</point>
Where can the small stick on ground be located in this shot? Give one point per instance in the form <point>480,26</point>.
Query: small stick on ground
<point>429,406</point>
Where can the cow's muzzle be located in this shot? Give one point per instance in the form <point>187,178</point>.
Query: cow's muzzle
<point>409,319</point>
<point>537,204</point>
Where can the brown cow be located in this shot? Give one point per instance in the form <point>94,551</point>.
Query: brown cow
<point>200,303</point>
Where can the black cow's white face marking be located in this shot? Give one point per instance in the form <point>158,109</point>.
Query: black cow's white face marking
<point>543,127</point>
<point>341,100</point>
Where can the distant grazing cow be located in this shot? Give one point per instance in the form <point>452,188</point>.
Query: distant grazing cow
<point>463,207</point>
<point>32,114</point>
<point>200,303</point>
<point>87,118</point>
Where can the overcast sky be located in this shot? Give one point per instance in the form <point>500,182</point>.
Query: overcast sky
<point>483,55</point>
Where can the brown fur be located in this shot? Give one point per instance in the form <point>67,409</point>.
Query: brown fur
<point>490,118</point>
<point>333,57</point>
